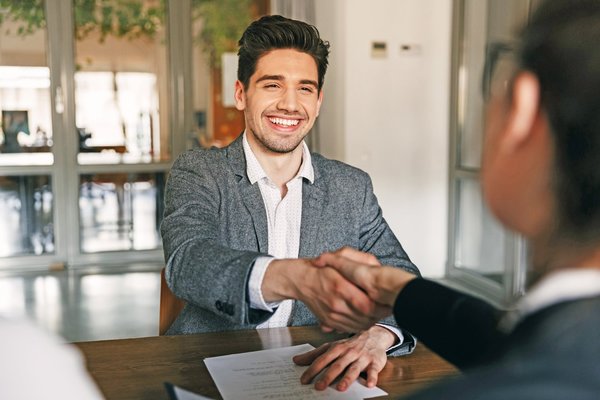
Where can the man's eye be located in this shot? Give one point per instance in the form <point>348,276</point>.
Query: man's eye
<point>271,86</point>
<point>306,89</point>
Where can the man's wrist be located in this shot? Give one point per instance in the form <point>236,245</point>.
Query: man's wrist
<point>391,281</point>
<point>281,278</point>
<point>255,281</point>
<point>387,338</point>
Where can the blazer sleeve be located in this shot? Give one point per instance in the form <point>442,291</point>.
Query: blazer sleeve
<point>460,328</point>
<point>199,269</point>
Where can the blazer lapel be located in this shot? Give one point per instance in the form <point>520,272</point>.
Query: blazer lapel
<point>313,202</point>
<point>249,193</point>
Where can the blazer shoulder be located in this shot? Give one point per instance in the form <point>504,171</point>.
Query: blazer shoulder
<point>338,171</point>
<point>200,157</point>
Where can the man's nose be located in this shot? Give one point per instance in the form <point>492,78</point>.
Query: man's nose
<point>288,101</point>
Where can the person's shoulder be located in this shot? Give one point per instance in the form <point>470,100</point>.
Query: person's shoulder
<point>338,171</point>
<point>200,158</point>
<point>200,154</point>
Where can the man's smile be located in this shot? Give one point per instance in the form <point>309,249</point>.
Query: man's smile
<point>284,121</point>
<point>285,124</point>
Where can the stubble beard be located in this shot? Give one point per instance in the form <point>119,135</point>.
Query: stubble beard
<point>282,146</point>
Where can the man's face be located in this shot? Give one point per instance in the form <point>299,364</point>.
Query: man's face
<point>495,176</point>
<point>494,180</point>
<point>518,158</point>
<point>282,100</point>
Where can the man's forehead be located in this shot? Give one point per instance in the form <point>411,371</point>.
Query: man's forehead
<point>286,64</point>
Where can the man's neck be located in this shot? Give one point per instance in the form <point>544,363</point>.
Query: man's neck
<point>550,256</point>
<point>279,167</point>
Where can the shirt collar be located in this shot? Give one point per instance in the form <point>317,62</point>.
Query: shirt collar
<point>556,287</point>
<point>256,172</point>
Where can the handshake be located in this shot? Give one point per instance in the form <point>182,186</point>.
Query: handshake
<point>347,290</point>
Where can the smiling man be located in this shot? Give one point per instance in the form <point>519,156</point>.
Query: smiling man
<point>243,223</point>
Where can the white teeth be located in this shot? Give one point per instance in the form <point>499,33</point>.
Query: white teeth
<point>284,122</point>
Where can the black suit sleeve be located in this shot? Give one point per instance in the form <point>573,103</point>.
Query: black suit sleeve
<point>460,328</point>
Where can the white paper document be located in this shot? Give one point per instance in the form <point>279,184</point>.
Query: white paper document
<point>271,374</point>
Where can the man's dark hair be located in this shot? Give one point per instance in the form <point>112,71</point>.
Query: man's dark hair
<point>561,46</point>
<point>276,32</point>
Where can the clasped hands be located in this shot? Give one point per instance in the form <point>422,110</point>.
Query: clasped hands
<point>353,289</point>
<point>349,291</point>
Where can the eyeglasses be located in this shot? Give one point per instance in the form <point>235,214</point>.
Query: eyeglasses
<point>498,70</point>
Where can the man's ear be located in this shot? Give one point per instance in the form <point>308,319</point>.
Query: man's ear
<point>524,110</point>
<point>240,96</point>
<point>319,102</point>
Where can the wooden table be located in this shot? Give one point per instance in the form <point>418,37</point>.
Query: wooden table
<point>137,368</point>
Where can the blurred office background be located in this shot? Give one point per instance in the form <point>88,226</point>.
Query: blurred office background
<point>99,97</point>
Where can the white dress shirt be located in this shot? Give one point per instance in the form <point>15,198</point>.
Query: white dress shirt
<point>283,221</point>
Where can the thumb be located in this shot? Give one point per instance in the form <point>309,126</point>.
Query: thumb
<point>326,260</point>
<point>319,261</point>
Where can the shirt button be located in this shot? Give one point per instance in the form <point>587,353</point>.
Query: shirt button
<point>219,305</point>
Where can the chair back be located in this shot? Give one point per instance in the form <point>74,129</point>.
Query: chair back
<point>170,305</point>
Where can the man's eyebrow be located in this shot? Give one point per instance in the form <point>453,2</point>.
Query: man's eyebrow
<point>309,82</point>
<point>281,78</point>
<point>270,78</point>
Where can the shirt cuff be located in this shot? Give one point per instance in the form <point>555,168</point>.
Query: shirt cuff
<point>396,332</point>
<point>257,275</point>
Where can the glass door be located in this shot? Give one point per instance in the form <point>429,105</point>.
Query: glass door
<point>87,138</point>
<point>481,254</point>
<point>27,163</point>
<point>121,130</point>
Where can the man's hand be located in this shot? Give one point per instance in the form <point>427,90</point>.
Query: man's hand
<point>347,358</point>
<point>382,284</point>
<point>335,301</point>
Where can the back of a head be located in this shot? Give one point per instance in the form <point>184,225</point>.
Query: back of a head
<point>561,47</point>
<point>276,32</point>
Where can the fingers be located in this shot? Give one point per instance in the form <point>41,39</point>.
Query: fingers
<point>361,275</point>
<point>347,317</point>
<point>339,304</point>
<point>358,256</point>
<point>340,360</point>
<point>328,260</point>
<point>351,374</point>
<point>355,297</point>
<point>341,264</point>
<point>339,316</point>
<point>350,269</point>
<point>308,357</point>
<point>371,361</point>
<point>320,363</point>
<point>373,374</point>
<point>352,254</point>
<point>342,323</point>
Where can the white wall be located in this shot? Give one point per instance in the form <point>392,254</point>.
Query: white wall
<point>389,116</point>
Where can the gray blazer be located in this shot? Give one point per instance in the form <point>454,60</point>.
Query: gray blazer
<point>215,226</point>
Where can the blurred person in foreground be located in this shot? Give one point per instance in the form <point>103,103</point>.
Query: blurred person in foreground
<point>37,365</point>
<point>541,178</point>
